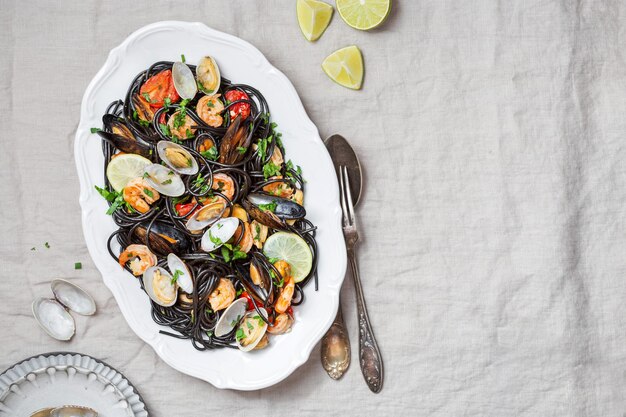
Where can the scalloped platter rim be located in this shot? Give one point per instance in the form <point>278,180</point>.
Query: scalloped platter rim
<point>241,62</point>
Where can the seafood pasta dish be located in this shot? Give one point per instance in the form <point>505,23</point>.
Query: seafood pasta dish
<point>209,211</point>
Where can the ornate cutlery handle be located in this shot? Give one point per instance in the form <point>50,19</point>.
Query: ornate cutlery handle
<point>369,354</point>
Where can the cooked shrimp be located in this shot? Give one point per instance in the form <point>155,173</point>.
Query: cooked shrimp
<point>245,244</point>
<point>224,184</point>
<point>138,258</point>
<point>209,109</point>
<point>223,295</point>
<point>286,292</point>
<point>259,233</point>
<point>139,195</point>
<point>282,324</point>
<point>181,126</point>
<point>279,188</point>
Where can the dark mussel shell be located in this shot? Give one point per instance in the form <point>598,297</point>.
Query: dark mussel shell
<point>285,210</point>
<point>143,109</point>
<point>122,138</point>
<point>164,238</point>
<point>235,138</point>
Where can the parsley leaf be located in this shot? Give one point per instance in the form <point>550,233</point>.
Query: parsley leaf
<point>241,149</point>
<point>270,170</point>
<point>95,130</point>
<point>210,154</point>
<point>176,275</point>
<point>269,206</point>
<point>182,58</point>
<point>78,265</point>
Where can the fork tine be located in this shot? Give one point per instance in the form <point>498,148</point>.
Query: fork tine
<point>348,195</point>
<point>342,197</point>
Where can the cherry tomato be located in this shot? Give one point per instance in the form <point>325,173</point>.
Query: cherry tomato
<point>290,311</point>
<point>162,119</point>
<point>158,87</point>
<point>239,108</point>
<point>184,209</point>
<point>250,301</point>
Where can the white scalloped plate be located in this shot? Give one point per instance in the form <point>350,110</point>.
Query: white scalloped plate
<point>65,378</point>
<point>240,62</point>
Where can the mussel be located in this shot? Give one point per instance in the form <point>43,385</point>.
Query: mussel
<point>272,211</point>
<point>122,138</point>
<point>142,108</point>
<point>164,238</point>
<point>208,75</point>
<point>235,139</point>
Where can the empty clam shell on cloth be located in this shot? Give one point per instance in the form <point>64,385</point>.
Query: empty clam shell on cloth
<point>52,313</point>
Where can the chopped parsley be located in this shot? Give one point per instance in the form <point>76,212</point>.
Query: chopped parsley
<point>78,265</point>
<point>257,230</point>
<point>116,199</point>
<point>241,149</point>
<point>95,130</point>
<point>214,239</point>
<point>211,153</point>
<point>250,326</point>
<point>270,170</point>
<point>165,129</point>
<point>176,275</point>
<point>167,102</point>
<point>240,334</point>
<point>149,193</point>
<point>269,206</point>
<point>167,181</point>
<point>273,260</point>
<point>182,58</point>
<point>147,97</point>
<point>47,245</point>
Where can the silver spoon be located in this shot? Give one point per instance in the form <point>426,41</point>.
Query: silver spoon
<point>335,350</point>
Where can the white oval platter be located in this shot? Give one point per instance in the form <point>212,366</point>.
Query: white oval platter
<point>241,63</point>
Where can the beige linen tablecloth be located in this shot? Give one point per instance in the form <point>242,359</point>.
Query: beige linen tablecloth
<point>494,242</point>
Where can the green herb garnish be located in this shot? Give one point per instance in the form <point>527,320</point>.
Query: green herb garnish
<point>95,130</point>
<point>269,206</point>
<point>78,265</point>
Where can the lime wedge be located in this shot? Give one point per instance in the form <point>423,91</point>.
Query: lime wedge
<point>313,17</point>
<point>363,14</point>
<point>293,249</point>
<point>124,168</point>
<point>345,67</point>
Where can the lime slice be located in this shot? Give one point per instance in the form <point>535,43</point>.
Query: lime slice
<point>313,17</point>
<point>363,14</point>
<point>345,67</point>
<point>124,168</point>
<point>293,249</point>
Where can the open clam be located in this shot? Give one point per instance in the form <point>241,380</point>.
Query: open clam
<point>251,330</point>
<point>160,286</point>
<point>208,75</point>
<point>231,317</point>
<point>179,269</point>
<point>272,211</point>
<point>206,216</point>
<point>177,157</point>
<point>184,81</point>
<point>218,234</point>
<point>164,180</point>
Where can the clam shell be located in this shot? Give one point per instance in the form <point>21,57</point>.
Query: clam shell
<point>253,338</point>
<point>231,317</point>
<point>184,81</point>
<point>164,180</point>
<point>184,281</point>
<point>161,290</point>
<point>205,216</point>
<point>73,297</point>
<point>208,75</point>
<point>162,148</point>
<point>54,318</point>
<point>221,231</point>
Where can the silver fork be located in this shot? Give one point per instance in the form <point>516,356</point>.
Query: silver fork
<point>369,354</point>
